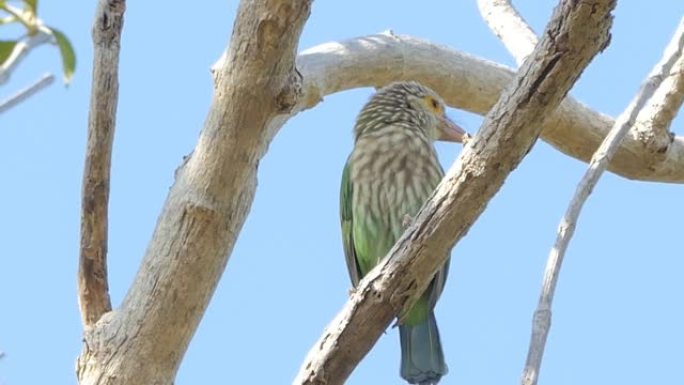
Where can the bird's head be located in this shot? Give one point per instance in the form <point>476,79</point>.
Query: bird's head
<point>410,104</point>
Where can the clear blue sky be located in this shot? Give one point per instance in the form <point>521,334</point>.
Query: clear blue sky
<point>617,317</point>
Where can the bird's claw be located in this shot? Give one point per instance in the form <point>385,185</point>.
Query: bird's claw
<point>406,221</point>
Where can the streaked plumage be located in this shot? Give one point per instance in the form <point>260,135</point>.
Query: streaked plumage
<point>390,173</point>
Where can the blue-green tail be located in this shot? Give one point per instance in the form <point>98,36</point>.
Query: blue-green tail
<point>422,359</point>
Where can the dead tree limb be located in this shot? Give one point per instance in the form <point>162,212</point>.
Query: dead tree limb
<point>475,84</point>
<point>657,84</point>
<point>93,288</point>
<point>575,34</point>
<point>256,86</point>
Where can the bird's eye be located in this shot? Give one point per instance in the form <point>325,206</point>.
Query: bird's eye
<point>434,104</point>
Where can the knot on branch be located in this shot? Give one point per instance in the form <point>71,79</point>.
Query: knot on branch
<point>655,143</point>
<point>290,93</point>
<point>109,22</point>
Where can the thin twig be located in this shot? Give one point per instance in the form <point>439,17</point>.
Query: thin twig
<point>21,49</point>
<point>19,15</point>
<point>542,315</point>
<point>507,24</point>
<point>27,92</point>
<point>93,288</point>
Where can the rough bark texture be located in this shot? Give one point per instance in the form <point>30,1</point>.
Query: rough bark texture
<point>578,31</point>
<point>93,291</point>
<point>475,84</point>
<point>653,123</point>
<point>144,340</point>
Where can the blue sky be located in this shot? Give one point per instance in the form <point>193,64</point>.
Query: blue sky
<point>617,315</point>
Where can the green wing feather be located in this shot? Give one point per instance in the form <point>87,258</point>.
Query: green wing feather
<point>346,217</point>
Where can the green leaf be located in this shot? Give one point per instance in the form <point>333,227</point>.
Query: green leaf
<point>68,54</point>
<point>31,5</point>
<point>6,47</point>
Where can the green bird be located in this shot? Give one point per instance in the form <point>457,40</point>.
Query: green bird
<point>389,174</point>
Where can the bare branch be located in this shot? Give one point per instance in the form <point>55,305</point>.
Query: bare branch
<point>509,130</point>
<point>256,87</point>
<point>27,92</point>
<point>657,84</point>
<point>21,50</point>
<point>474,84</point>
<point>653,123</point>
<point>93,288</point>
<point>507,24</point>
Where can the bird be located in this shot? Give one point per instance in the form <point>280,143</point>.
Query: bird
<point>392,170</point>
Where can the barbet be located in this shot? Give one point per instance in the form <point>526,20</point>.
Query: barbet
<point>390,173</point>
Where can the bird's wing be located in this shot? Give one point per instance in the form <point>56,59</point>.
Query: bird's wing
<point>346,217</point>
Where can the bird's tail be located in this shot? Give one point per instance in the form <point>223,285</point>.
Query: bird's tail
<point>422,359</point>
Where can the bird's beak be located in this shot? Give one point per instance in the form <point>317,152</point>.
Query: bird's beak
<point>450,131</point>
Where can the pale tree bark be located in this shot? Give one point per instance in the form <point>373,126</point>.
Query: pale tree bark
<point>93,288</point>
<point>143,341</point>
<point>576,33</point>
<point>653,123</point>
<point>257,89</point>
<point>509,27</point>
<point>648,105</point>
<point>474,84</point>
<point>651,140</point>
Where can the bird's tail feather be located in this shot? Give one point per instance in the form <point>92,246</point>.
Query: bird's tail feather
<point>422,359</point>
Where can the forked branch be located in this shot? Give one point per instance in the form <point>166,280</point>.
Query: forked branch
<point>651,133</point>
<point>654,120</point>
<point>256,86</point>
<point>646,102</point>
<point>509,130</point>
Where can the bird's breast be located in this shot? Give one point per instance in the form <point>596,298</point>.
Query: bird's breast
<point>394,176</point>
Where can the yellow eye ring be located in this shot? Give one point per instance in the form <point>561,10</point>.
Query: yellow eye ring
<point>434,104</point>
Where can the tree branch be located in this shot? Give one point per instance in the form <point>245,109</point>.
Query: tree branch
<point>656,85</point>
<point>576,32</point>
<point>256,86</point>
<point>20,51</point>
<point>93,288</point>
<point>653,123</point>
<point>27,92</point>
<point>474,85</point>
<point>652,133</point>
<point>507,24</point>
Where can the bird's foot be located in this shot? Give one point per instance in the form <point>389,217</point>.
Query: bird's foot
<point>406,221</point>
